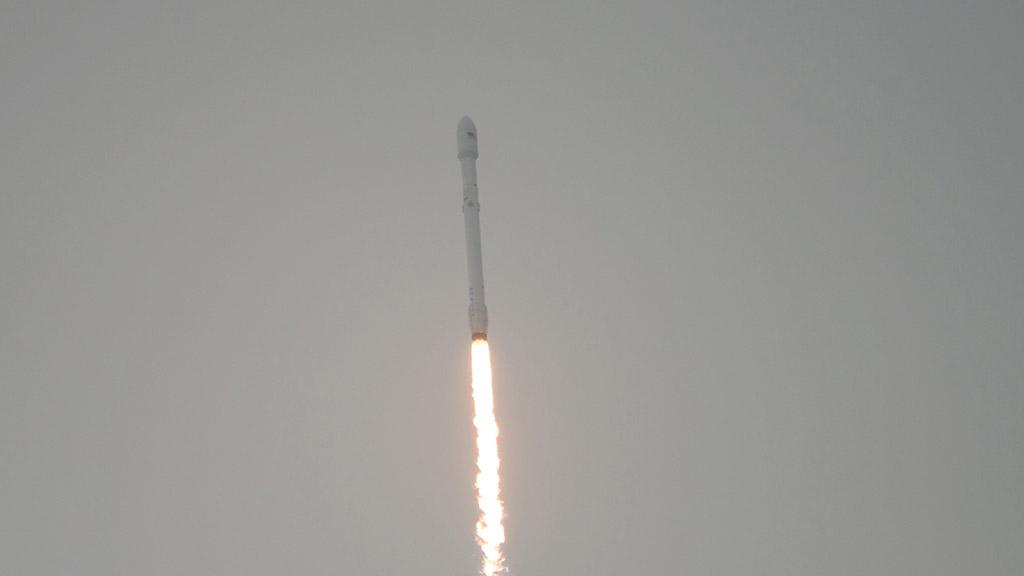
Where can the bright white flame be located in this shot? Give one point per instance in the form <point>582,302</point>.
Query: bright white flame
<point>489,532</point>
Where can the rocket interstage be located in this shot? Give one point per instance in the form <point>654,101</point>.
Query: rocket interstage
<point>467,144</point>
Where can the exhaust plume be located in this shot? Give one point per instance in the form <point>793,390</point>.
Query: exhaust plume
<point>489,531</point>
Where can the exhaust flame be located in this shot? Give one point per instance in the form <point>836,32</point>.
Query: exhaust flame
<point>489,532</point>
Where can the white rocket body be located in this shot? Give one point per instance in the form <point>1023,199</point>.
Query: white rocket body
<point>467,145</point>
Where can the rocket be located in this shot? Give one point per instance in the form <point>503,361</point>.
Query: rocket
<point>466,140</point>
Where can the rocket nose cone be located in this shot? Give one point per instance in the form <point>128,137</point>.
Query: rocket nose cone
<point>466,138</point>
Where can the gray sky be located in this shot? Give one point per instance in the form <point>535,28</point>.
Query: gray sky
<point>754,273</point>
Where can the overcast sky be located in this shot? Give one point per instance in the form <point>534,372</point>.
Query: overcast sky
<point>755,274</point>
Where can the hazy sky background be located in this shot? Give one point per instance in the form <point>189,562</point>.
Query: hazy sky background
<point>755,274</point>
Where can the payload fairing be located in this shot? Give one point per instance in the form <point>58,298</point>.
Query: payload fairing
<point>467,145</point>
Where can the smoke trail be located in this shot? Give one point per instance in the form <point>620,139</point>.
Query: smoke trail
<point>489,532</point>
